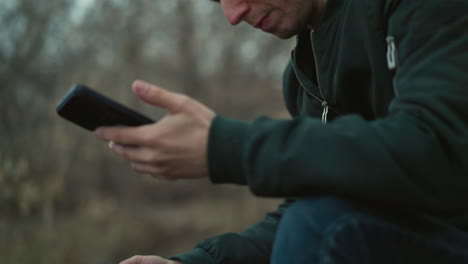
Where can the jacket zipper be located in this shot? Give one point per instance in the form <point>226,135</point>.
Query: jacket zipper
<point>307,91</point>
<point>324,102</point>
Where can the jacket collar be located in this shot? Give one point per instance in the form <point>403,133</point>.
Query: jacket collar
<point>332,8</point>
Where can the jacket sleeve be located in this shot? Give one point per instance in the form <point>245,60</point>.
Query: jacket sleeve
<point>252,246</point>
<point>415,158</point>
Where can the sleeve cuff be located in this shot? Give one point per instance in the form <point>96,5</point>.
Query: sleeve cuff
<point>225,146</point>
<point>196,256</point>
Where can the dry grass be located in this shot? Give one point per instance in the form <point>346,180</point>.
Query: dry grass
<point>108,229</point>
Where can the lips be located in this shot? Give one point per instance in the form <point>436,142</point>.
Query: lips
<point>261,21</point>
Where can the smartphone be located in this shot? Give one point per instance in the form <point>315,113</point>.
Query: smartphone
<point>89,109</point>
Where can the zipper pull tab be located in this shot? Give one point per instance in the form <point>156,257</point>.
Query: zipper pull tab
<point>392,54</point>
<point>325,112</point>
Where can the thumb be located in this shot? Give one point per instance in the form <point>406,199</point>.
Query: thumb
<point>158,96</point>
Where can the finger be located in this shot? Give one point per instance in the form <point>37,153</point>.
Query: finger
<point>133,260</point>
<point>159,97</point>
<point>123,135</point>
<point>151,170</point>
<point>145,168</point>
<point>132,153</point>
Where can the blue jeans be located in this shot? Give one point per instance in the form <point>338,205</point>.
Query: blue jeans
<point>330,230</point>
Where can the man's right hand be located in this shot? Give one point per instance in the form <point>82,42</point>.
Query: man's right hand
<point>148,260</point>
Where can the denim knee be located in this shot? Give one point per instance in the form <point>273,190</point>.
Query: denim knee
<point>316,212</point>
<point>301,229</point>
<point>329,229</point>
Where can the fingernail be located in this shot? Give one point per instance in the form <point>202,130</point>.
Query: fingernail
<point>115,146</point>
<point>141,87</point>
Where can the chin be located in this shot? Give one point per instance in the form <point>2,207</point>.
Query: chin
<point>287,32</point>
<point>285,35</point>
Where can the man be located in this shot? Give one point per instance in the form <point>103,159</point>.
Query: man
<point>376,153</point>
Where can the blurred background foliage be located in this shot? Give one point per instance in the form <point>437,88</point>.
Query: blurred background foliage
<point>64,198</point>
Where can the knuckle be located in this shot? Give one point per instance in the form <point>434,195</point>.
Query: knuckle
<point>184,102</point>
<point>148,137</point>
<point>155,92</point>
<point>119,136</point>
<point>144,139</point>
<point>152,139</point>
<point>149,157</point>
<point>124,154</point>
<point>184,99</point>
<point>160,162</point>
<point>136,168</point>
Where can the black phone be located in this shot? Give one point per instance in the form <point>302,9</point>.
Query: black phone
<point>90,110</point>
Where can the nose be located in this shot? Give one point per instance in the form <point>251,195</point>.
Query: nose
<point>235,10</point>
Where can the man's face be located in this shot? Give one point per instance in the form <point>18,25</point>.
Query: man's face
<point>283,18</point>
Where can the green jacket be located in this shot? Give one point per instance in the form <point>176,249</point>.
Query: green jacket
<point>391,79</point>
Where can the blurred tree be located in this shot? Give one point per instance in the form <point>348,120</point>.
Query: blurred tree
<point>30,177</point>
<point>50,167</point>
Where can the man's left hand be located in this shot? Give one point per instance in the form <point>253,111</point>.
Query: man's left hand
<point>174,147</point>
